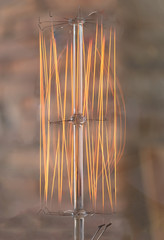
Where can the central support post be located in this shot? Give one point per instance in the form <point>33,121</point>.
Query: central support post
<point>78,130</point>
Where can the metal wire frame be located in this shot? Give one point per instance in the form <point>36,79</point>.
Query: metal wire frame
<point>60,24</point>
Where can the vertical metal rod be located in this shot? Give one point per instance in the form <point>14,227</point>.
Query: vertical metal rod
<point>78,228</point>
<point>78,168</point>
<point>78,128</point>
<point>78,135</point>
<point>80,67</point>
<point>74,65</point>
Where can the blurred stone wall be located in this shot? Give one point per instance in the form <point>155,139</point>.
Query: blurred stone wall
<point>141,71</point>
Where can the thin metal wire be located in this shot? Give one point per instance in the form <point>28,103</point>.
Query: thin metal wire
<point>53,25</point>
<point>76,20</point>
<point>104,230</point>
<point>97,231</point>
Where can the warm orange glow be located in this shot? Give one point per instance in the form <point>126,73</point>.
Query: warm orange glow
<point>108,76</point>
<point>87,79</point>
<point>103,104</point>
<point>94,70</point>
<point>115,118</point>
<point>41,79</point>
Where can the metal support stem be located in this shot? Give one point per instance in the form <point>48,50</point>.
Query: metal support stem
<point>80,108</point>
<point>74,65</point>
<point>78,228</point>
<point>78,133</point>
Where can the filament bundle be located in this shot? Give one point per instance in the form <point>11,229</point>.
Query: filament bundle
<point>104,111</point>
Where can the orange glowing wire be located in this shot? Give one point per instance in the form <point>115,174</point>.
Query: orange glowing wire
<point>109,56</point>
<point>94,70</point>
<point>90,161</point>
<point>59,190</point>
<point>41,79</point>
<point>88,166</point>
<point>57,79</point>
<point>43,128</point>
<point>103,162</point>
<point>71,66</point>
<point>95,152</point>
<point>72,170</point>
<point>63,137</point>
<point>109,175</point>
<point>48,127</point>
<point>84,63</point>
<point>93,166</point>
<point>77,71</point>
<point>87,78</point>
<point>115,118</point>
<point>101,104</point>
<point>99,93</point>
<point>54,172</point>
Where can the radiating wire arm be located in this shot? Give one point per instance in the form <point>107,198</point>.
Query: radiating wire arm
<point>60,23</point>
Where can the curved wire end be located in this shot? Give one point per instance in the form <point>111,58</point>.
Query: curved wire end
<point>104,227</point>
